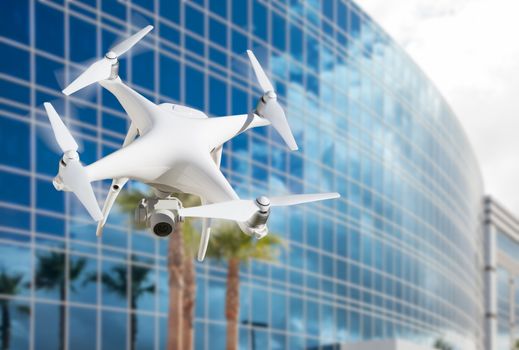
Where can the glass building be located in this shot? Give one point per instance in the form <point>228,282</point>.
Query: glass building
<point>501,277</point>
<point>398,256</point>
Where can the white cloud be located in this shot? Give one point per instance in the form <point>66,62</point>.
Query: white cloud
<point>470,50</point>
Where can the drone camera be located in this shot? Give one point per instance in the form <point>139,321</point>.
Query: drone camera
<point>162,222</point>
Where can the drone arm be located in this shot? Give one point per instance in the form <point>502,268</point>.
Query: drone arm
<point>222,129</point>
<point>140,110</point>
<point>117,184</point>
<point>216,154</point>
<point>204,237</point>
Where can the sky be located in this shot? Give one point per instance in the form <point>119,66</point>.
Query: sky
<point>470,50</point>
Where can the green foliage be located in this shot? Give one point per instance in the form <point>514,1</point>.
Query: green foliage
<point>442,345</point>
<point>10,284</point>
<point>117,282</point>
<point>228,241</point>
<point>50,272</point>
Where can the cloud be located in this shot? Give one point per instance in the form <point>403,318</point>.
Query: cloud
<point>470,50</point>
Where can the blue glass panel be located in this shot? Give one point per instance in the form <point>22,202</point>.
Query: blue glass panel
<point>217,97</point>
<point>82,328</point>
<point>194,20</point>
<point>260,20</point>
<point>82,40</point>
<point>117,8</point>
<point>50,225</point>
<point>14,218</point>
<point>14,91</point>
<point>49,24</point>
<point>19,188</point>
<point>145,332</point>
<point>194,45</point>
<point>15,137</point>
<point>355,21</point>
<point>279,32</point>
<point>218,7</point>
<point>14,62</point>
<point>239,42</point>
<point>169,77</point>
<point>49,73</point>
<point>144,77</point>
<point>46,327</point>
<point>239,13</point>
<point>217,32</point>
<point>194,87</point>
<point>113,330</point>
<point>170,10</point>
<point>15,25</point>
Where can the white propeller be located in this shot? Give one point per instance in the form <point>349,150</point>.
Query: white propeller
<point>72,176</point>
<point>63,137</point>
<point>241,209</point>
<point>102,69</point>
<point>273,110</point>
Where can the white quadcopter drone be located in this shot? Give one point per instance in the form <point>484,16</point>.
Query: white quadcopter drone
<point>173,149</point>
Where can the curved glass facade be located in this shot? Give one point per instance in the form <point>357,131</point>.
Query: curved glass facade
<point>398,256</point>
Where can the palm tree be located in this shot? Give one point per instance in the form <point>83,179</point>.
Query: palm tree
<point>50,274</point>
<point>117,282</point>
<point>181,271</point>
<point>442,345</point>
<point>231,245</point>
<point>191,240</point>
<point>10,284</point>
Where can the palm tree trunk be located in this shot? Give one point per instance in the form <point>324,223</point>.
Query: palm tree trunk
<point>6,326</point>
<point>232,303</point>
<point>189,301</point>
<point>176,284</point>
<point>62,316</point>
<point>133,321</point>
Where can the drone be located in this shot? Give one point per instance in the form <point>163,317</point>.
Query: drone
<point>172,149</point>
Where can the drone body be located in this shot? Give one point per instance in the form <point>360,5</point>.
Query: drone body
<point>173,149</point>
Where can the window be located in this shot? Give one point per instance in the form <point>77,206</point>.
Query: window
<point>15,140</point>
<point>278,32</point>
<point>217,96</point>
<point>217,32</point>
<point>83,279</point>
<point>82,328</point>
<point>113,330</point>
<point>194,80</point>
<point>47,325</point>
<point>239,13</point>
<point>143,287</point>
<point>260,20</point>
<point>296,42</point>
<point>19,188</point>
<point>114,283</point>
<point>49,73</point>
<point>194,20</point>
<point>49,24</point>
<point>170,77</point>
<point>14,62</point>
<point>82,40</point>
<point>141,76</point>
<point>117,8</point>
<point>15,218</point>
<point>218,7</point>
<point>239,43</point>
<point>15,25</point>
